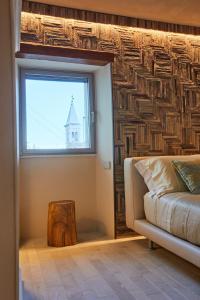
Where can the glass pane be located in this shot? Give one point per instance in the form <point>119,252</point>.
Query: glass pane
<point>56,114</point>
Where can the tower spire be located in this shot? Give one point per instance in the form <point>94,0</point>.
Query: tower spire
<point>72,115</point>
<point>73,127</point>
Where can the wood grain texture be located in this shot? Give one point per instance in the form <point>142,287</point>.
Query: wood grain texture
<point>111,271</point>
<point>156,86</point>
<point>103,18</point>
<point>54,53</point>
<point>61,223</point>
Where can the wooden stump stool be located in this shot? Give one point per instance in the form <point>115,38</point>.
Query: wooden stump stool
<point>61,223</point>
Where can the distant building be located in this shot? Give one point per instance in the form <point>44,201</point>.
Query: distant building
<point>73,128</point>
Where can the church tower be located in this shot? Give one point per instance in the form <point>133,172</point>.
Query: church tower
<point>73,128</point>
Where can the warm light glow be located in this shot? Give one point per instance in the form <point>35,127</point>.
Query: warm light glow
<point>107,26</point>
<point>41,243</point>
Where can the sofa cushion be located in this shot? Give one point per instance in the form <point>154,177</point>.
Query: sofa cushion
<point>189,171</point>
<point>160,175</point>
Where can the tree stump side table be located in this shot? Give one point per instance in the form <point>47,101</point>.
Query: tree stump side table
<point>61,223</point>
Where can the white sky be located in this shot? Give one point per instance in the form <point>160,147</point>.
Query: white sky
<point>47,107</point>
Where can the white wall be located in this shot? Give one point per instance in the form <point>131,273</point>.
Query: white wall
<point>8,259</point>
<point>45,179</point>
<point>104,157</point>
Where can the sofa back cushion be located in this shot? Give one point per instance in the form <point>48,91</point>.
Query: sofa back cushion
<point>160,175</point>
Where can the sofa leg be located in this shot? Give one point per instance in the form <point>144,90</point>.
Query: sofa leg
<point>151,245</point>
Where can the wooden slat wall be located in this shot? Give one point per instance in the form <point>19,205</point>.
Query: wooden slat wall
<point>91,16</point>
<point>156,86</point>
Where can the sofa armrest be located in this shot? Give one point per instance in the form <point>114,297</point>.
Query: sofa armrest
<point>135,189</point>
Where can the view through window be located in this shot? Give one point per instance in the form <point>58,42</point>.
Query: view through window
<point>56,113</point>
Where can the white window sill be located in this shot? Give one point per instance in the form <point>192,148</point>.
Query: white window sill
<point>56,156</point>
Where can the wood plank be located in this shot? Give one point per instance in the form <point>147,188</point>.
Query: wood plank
<point>105,18</point>
<point>62,54</point>
<point>113,270</point>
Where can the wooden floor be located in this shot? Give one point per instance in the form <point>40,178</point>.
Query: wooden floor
<point>110,270</point>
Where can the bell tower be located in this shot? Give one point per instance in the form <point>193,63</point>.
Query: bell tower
<point>73,127</point>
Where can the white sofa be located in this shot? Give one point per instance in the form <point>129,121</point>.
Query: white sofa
<point>135,190</point>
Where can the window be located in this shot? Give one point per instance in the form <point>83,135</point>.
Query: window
<point>56,113</point>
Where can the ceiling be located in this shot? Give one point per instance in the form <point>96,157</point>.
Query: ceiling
<point>172,11</point>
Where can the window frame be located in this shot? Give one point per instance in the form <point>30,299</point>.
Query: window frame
<point>52,75</point>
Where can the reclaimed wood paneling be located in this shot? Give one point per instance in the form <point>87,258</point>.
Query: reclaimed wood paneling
<point>156,86</point>
<point>103,18</point>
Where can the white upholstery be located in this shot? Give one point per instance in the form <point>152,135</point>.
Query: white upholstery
<point>174,244</point>
<point>135,190</point>
<point>177,213</point>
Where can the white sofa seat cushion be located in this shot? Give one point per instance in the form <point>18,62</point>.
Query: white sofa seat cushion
<point>177,213</point>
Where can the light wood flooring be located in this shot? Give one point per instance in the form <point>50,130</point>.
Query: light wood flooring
<point>121,269</point>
